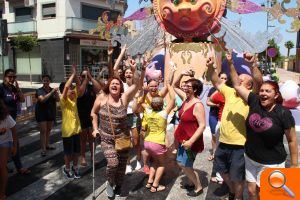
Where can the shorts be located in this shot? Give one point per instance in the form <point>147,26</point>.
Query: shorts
<point>44,117</point>
<point>183,159</point>
<point>133,120</point>
<point>213,121</point>
<point>155,149</point>
<point>71,145</point>
<point>230,159</point>
<point>8,144</point>
<point>254,169</point>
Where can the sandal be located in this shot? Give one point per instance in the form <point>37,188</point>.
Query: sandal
<point>211,157</point>
<point>148,185</point>
<point>24,171</point>
<point>157,188</point>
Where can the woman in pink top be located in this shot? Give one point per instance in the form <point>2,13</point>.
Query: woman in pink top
<point>189,133</point>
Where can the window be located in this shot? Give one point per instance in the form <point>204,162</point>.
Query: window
<point>90,12</point>
<point>23,14</point>
<point>49,10</point>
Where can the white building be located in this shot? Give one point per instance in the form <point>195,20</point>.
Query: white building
<point>62,28</point>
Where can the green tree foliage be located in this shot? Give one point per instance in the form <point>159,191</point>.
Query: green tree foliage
<point>289,45</point>
<point>25,43</point>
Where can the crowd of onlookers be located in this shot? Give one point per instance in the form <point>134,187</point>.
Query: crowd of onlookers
<point>246,119</point>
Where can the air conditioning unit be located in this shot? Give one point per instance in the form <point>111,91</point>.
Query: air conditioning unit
<point>29,3</point>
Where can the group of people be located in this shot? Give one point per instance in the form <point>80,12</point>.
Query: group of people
<point>247,122</point>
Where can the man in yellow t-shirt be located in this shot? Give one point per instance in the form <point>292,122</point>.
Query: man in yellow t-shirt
<point>229,155</point>
<point>70,126</point>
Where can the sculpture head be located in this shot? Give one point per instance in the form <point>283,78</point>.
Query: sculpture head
<point>189,18</point>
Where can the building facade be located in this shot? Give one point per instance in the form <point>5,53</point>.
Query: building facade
<point>62,29</point>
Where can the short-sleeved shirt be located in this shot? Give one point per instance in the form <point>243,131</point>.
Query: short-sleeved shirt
<point>70,120</point>
<point>9,94</point>
<point>156,123</point>
<point>7,124</point>
<point>265,131</point>
<point>233,121</point>
<point>47,107</point>
<point>218,98</point>
<point>85,103</point>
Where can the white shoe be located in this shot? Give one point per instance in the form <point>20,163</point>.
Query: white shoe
<point>138,165</point>
<point>219,177</point>
<point>109,190</point>
<point>128,169</point>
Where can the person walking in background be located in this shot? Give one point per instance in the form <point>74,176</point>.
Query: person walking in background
<point>12,95</point>
<point>111,107</point>
<point>70,125</point>
<point>189,133</point>
<point>8,144</point>
<point>229,155</point>
<point>267,123</point>
<point>84,106</point>
<point>45,112</point>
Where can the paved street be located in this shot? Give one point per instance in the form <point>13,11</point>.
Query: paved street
<point>46,180</point>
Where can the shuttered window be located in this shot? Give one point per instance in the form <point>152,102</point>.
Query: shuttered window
<point>49,10</point>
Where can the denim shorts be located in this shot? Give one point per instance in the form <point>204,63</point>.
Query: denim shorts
<point>183,158</point>
<point>7,144</point>
<point>213,121</point>
<point>71,145</point>
<point>230,160</point>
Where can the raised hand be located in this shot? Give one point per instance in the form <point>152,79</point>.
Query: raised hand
<point>74,69</point>
<point>228,55</point>
<point>210,62</point>
<point>250,58</point>
<point>110,50</point>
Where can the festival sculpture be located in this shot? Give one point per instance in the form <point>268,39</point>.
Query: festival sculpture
<point>189,18</point>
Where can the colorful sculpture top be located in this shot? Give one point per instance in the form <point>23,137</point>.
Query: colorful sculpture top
<point>189,18</point>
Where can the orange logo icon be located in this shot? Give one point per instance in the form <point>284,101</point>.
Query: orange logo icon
<point>280,184</point>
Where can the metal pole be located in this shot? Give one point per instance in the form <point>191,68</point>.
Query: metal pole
<point>267,63</point>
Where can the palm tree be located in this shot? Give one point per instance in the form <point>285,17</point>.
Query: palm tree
<point>289,45</point>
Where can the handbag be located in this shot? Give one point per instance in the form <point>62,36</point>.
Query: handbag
<point>122,143</point>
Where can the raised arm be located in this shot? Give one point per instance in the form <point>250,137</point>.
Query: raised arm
<point>83,85</point>
<point>130,93</point>
<point>118,61</point>
<point>69,82</point>
<point>241,90</point>
<point>177,81</point>
<point>97,86</point>
<point>256,74</point>
<point>217,83</point>
<point>293,145</point>
<point>77,82</point>
<point>171,104</point>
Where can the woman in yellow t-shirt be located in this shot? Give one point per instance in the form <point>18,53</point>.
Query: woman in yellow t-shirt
<point>155,124</point>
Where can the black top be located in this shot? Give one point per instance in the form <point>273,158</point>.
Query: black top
<point>265,131</point>
<point>9,94</point>
<point>85,103</point>
<point>48,107</point>
<point>214,110</point>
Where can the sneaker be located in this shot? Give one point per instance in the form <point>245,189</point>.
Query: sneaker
<point>138,165</point>
<point>117,190</point>
<point>219,178</point>
<point>128,169</point>
<point>68,174</point>
<point>76,173</point>
<point>109,190</point>
<point>146,169</point>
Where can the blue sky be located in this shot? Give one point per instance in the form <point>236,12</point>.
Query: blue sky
<point>250,22</point>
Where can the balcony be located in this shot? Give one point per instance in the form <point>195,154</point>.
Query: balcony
<point>74,24</point>
<point>27,27</point>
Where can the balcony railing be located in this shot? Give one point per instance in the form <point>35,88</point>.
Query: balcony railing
<point>80,24</point>
<point>21,27</point>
